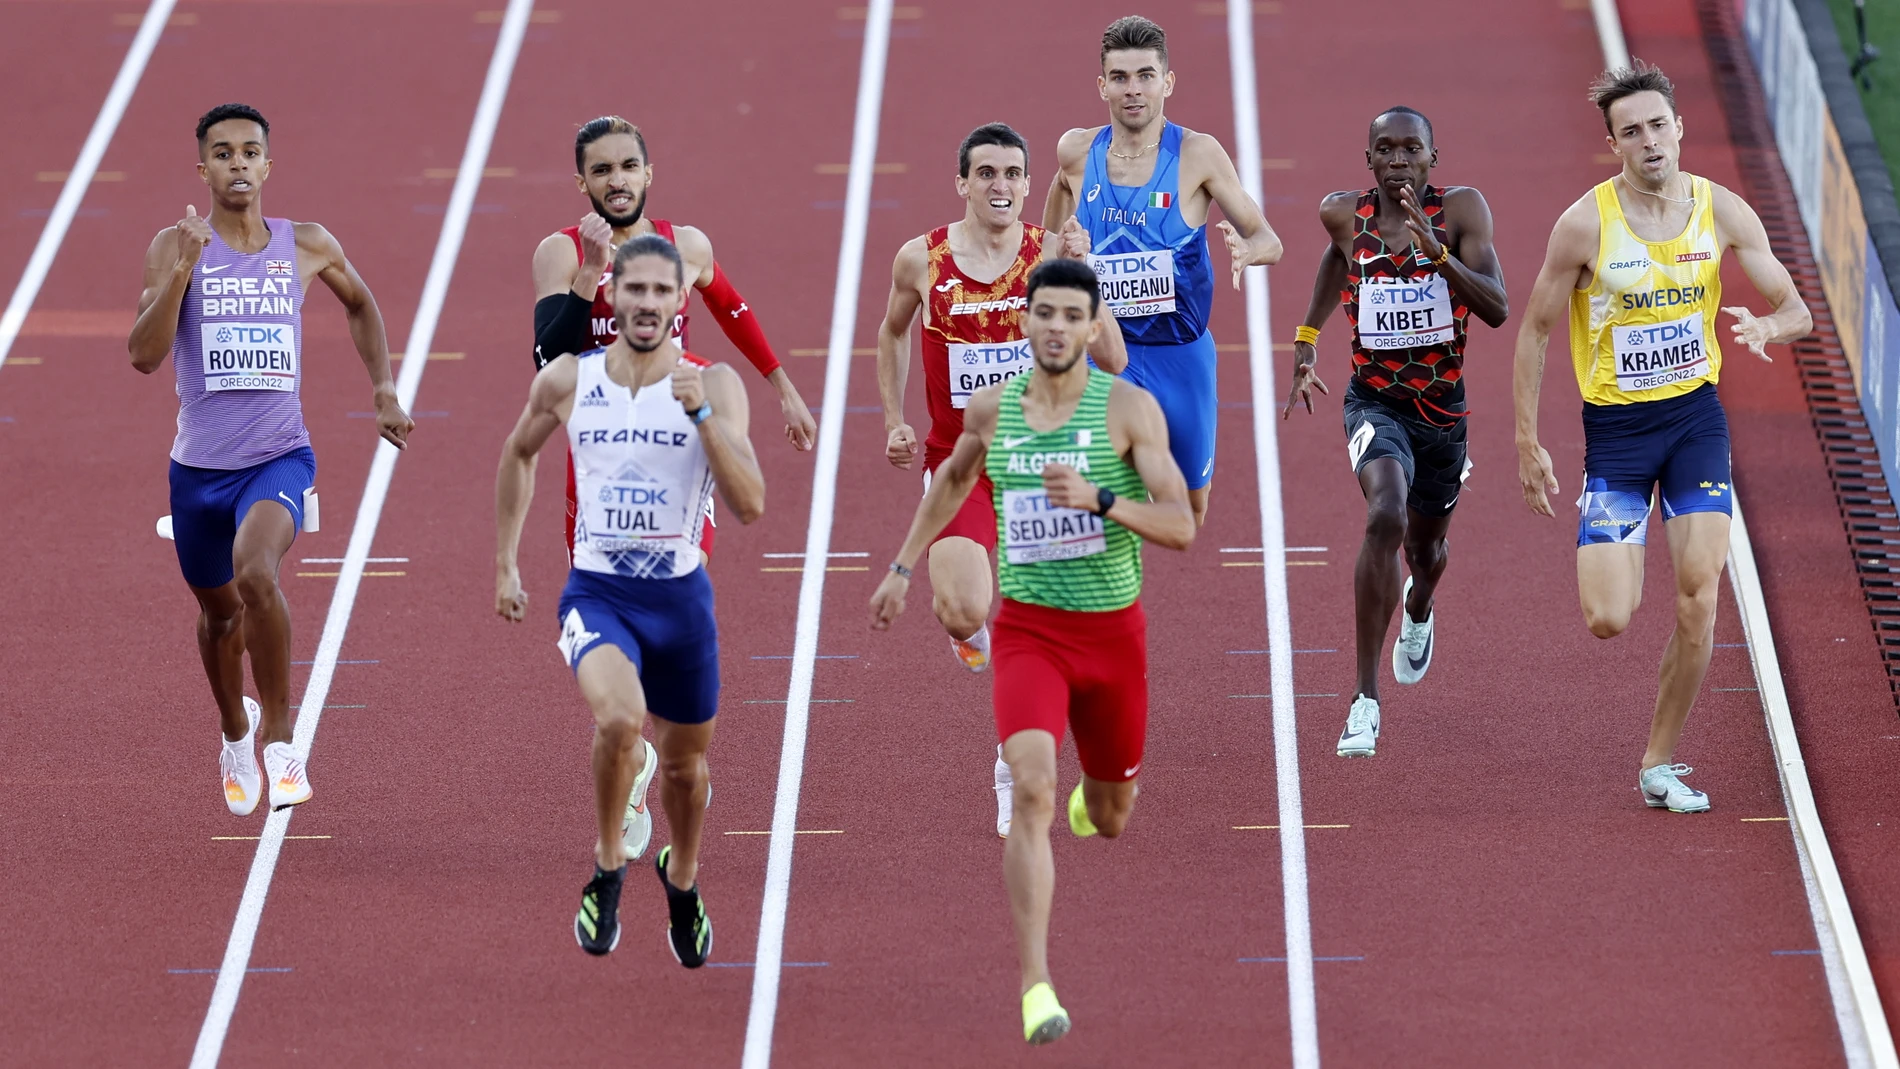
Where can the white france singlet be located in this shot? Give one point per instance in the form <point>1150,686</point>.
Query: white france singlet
<point>642,482</point>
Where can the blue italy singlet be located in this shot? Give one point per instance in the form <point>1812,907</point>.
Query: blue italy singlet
<point>1153,267</point>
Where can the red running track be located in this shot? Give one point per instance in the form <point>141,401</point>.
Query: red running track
<point>1504,897</point>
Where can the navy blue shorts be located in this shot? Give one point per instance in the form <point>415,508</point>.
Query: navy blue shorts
<point>1182,379</point>
<point>208,504</point>
<point>1679,443</point>
<point>1433,457</point>
<point>664,626</point>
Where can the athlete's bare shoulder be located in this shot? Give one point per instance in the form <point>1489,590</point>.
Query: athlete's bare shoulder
<point>911,269</point>
<point>1734,217</point>
<point>553,387</point>
<point>1072,150</point>
<point>1336,210</point>
<point>313,238</point>
<point>693,244</point>
<point>1464,205</point>
<point>1130,400</point>
<point>1197,147</point>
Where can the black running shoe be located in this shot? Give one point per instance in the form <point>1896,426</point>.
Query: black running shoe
<point>688,932</point>
<point>597,925</point>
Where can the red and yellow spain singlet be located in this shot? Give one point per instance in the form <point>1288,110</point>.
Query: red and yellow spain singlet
<point>973,331</point>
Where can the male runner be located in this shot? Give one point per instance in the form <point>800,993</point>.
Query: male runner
<point>1408,300</point>
<point>967,280</point>
<point>224,296</point>
<point>653,430</point>
<point>1142,187</point>
<point>1639,260</point>
<point>1081,474</point>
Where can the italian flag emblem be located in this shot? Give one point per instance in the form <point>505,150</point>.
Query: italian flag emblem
<point>1160,200</point>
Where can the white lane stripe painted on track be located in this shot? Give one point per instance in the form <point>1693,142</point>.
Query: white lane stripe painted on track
<point>435,288</point>
<point>90,153</point>
<point>763,1014</point>
<point>1866,1037</point>
<point>1302,1013</point>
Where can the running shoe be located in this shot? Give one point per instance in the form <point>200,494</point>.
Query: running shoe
<point>1663,789</point>
<point>1412,653</point>
<point>1005,795</point>
<point>1044,1019</point>
<point>1079,823</point>
<point>597,925</point>
<point>289,783</point>
<point>972,658</point>
<point>688,933</point>
<point>237,764</point>
<point>636,828</point>
<point>1361,737</point>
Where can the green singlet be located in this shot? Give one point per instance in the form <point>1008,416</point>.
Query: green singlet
<point>1056,557</point>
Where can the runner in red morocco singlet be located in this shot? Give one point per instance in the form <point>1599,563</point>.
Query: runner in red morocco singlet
<point>572,312</point>
<point>972,338</point>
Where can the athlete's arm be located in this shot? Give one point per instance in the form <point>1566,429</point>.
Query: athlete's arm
<point>316,246</point>
<point>742,329</point>
<point>549,400</point>
<point>1109,351</point>
<point>908,274</point>
<point>1072,152</point>
<point>949,488</point>
<point>1250,241</point>
<point>725,434</point>
<point>1335,214</point>
<point>1472,268</point>
<point>563,316</point>
<point>1572,245</point>
<point>1790,319</point>
<point>169,261</point>
<point>1165,518</point>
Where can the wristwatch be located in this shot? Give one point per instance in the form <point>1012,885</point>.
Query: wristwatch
<point>704,413</point>
<point>1104,500</point>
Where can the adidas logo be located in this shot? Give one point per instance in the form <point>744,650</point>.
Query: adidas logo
<point>595,398</point>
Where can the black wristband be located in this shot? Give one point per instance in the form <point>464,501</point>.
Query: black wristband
<point>900,569</point>
<point>1104,500</point>
<point>563,323</point>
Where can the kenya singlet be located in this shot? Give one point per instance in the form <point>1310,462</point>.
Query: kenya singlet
<point>1408,327</point>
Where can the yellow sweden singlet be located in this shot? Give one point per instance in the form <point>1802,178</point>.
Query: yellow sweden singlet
<point>1645,329</point>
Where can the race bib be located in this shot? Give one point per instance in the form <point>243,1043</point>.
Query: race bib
<point>249,356</point>
<point>1658,354</point>
<point>1136,283</point>
<point>1404,315</point>
<point>628,514</point>
<point>1035,531</point>
<point>973,367</point>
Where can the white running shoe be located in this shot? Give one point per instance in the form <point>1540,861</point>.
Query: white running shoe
<point>636,828</point>
<point>237,766</point>
<point>1005,795</point>
<point>970,656</point>
<point>289,784</point>
<point>1412,653</point>
<point>1361,737</point>
<point>1663,788</point>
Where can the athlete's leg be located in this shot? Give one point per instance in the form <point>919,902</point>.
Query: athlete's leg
<point>221,648</point>
<point>683,782</point>
<point>1375,577</point>
<point>1610,585</point>
<point>1109,804</point>
<point>611,685</point>
<point>1029,868</point>
<point>1698,546</point>
<point>262,540</point>
<point>960,585</point>
<point>1426,554</point>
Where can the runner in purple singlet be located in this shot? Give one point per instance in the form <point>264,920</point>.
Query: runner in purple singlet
<point>224,297</point>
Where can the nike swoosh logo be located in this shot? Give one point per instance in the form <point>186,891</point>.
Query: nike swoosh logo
<point>287,501</point>
<point>1420,662</point>
<point>1130,772</point>
<point>214,270</point>
<point>1011,443</point>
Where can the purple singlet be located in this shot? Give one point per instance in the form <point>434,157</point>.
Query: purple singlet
<point>238,355</point>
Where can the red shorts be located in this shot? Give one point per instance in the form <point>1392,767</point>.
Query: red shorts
<point>1088,670</point>
<point>573,510</point>
<point>976,520</point>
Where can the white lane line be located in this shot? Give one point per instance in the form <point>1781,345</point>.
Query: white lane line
<point>824,490</point>
<point>90,153</point>
<point>1866,1038</point>
<point>237,952</point>
<point>1302,1011</point>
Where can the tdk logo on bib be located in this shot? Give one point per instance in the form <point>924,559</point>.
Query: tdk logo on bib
<point>250,356</point>
<point>1660,354</point>
<point>973,367</point>
<point>1404,315</point>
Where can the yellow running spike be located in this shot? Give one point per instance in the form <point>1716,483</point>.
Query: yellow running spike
<point>1044,1019</point>
<point>1079,821</point>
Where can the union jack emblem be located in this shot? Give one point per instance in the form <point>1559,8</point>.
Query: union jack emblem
<point>278,267</point>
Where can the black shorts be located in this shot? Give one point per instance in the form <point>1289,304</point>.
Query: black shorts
<point>1433,456</point>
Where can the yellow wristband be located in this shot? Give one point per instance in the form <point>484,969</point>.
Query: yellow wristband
<point>1305,334</point>
<point>1444,253</point>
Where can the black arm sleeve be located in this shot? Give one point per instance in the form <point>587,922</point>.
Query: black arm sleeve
<point>561,325</point>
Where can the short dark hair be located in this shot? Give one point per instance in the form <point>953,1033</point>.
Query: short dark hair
<point>1134,32</point>
<point>1400,109</point>
<point>595,129</point>
<point>231,111</point>
<point>1065,275</point>
<point>650,245</point>
<point>994,133</point>
<point>1613,85</point>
